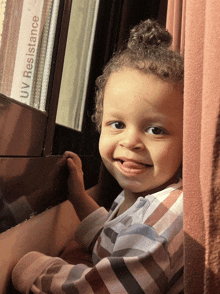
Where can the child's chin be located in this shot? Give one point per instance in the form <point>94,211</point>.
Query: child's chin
<point>133,189</point>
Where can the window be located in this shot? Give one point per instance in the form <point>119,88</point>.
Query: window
<point>27,40</point>
<point>77,63</point>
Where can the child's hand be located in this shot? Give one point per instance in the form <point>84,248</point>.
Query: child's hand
<point>75,181</point>
<point>80,199</point>
<point>59,176</point>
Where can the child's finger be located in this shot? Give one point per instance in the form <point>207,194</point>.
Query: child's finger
<point>73,166</point>
<point>67,154</point>
<point>74,157</point>
<point>59,164</point>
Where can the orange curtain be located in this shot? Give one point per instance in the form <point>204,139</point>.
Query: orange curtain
<point>176,23</point>
<point>196,29</point>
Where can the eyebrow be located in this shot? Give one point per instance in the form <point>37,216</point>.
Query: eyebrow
<point>157,118</point>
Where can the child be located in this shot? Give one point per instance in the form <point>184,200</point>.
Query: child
<point>137,247</point>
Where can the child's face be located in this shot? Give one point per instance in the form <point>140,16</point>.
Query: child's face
<point>142,129</point>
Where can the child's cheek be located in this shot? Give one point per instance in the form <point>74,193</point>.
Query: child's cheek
<point>103,145</point>
<point>170,157</point>
<point>106,146</point>
<point>161,153</point>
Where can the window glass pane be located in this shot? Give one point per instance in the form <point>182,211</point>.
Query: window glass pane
<point>27,35</point>
<point>77,63</point>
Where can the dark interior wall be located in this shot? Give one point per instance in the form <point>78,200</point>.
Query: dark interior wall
<point>134,12</point>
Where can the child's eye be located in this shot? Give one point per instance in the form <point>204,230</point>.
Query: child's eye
<point>117,125</point>
<point>156,131</point>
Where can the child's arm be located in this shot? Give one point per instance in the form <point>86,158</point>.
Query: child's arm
<point>137,259</point>
<point>140,263</point>
<point>80,199</point>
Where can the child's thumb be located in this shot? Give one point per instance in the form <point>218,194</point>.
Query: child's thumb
<point>73,168</point>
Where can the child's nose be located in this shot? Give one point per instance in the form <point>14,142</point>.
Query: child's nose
<point>132,140</point>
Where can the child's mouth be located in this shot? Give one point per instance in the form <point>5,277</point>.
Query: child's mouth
<point>130,166</point>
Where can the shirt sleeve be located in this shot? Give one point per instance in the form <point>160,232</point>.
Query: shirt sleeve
<point>139,263</point>
<point>90,226</point>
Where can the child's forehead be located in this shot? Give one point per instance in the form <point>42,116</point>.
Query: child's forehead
<point>131,87</point>
<point>132,79</point>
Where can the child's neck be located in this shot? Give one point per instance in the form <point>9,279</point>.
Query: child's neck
<point>131,197</point>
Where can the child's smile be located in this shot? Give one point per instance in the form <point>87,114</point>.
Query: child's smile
<point>141,135</point>
<point>131,166</point>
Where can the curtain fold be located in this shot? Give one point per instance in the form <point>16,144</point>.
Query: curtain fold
<point>209,146</point>
<point>176,23</point>
<point>195,26</point>
<point>194,223</point>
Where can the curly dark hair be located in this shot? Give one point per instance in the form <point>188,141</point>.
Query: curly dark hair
<point>148,51</point>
